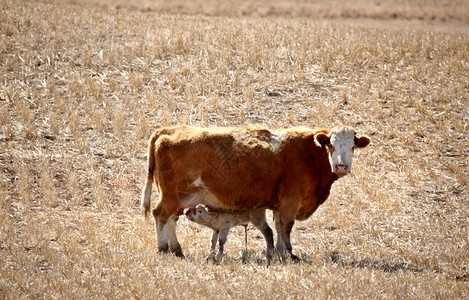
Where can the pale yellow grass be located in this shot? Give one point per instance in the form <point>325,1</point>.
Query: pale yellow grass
<point>82,88</point>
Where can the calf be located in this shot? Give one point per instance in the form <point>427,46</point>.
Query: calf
<point>222,222</point>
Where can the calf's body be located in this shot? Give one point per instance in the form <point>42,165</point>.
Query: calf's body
<point>222,222</point>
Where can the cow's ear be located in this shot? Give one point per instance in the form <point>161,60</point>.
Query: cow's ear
<point>361,142</point>
<point>321,139</point>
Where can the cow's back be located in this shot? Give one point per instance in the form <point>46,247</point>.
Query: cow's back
<point>237,166</point>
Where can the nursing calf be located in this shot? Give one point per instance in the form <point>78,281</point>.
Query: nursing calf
<point>222,222</point>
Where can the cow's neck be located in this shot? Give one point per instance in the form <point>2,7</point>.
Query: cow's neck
<point>320,170</point>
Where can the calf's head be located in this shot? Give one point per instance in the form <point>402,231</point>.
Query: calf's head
<point>201,215</point>
<point>340,143</point>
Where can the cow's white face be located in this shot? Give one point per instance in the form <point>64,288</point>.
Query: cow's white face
<point>341,151</point>
<point>341,142</point>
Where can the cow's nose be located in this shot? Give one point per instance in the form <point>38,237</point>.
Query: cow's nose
<point>341,168</point>
<point>340,161</point>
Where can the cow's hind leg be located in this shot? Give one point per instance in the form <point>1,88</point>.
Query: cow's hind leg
<point>161,228</point>
<point>174,246</point>
<point>165,225</point>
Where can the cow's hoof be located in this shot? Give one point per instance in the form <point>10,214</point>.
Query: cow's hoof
<point>282,255</point>
<point>295,258</point>
<point>178,253</point>
<point>176,250</point>
<point>163,249</point>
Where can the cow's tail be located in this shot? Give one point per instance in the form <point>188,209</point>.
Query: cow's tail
<point>146,193</point>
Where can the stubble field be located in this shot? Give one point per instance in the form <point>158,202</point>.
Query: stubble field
<point>83,84</point>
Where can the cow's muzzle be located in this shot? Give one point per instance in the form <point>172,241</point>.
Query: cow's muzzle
<point>341,169</point>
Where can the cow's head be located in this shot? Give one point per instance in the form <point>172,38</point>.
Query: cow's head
<point>340,143</point>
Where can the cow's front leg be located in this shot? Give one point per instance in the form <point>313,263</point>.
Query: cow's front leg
<point>280,247</point>
<point>260,223</point>
<point>287,231</point>
<point>284,229</point>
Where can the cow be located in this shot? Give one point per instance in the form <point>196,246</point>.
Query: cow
<point>289,171</point>
<point>222,222</point>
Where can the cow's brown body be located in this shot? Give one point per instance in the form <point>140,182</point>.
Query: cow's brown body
<point>237,169</point>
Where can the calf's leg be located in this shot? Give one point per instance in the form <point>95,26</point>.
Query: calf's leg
<point>221,242</point>
<point>213,245</point>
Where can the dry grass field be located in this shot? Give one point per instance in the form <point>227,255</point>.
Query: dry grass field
<point>84,83</point>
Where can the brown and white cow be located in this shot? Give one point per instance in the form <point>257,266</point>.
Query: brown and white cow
<point>222,222</point>
<point>237,169</point>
